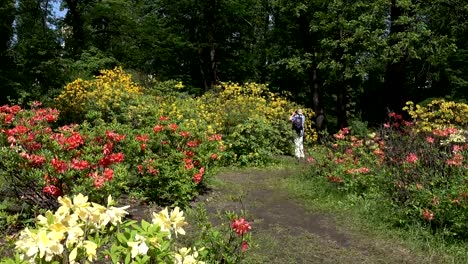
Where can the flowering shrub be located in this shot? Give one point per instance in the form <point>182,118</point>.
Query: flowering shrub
<point>170,161</point>
<point>40,163</point>
<point>422,174</point>
<point>224,243</point>
<point>108,94</point>
<point>438,114</point>
<point>427,175</point>
<point>82,231</point>
<point>166,163</point>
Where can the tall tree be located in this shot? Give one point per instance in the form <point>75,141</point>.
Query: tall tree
<point>36,48</point>
<point>7,16</point>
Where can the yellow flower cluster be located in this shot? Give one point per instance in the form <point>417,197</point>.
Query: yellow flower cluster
<point>70,224</point>
<point>438,114</point>
<point>233,100</point>
<point>65,234</point>
<point>104,93</point>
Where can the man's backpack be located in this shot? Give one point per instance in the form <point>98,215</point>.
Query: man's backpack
<point>297,123</point>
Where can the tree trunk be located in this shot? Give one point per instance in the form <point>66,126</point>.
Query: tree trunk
<point>395,76</point>
<point>77,27</point>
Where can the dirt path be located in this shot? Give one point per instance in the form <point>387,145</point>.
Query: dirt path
<point>286,232</point>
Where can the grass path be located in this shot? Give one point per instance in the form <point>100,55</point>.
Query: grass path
<point>285,231</point>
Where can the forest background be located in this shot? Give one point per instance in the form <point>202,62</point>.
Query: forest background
<point>346,60</point>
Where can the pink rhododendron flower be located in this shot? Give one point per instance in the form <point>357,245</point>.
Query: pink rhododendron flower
<point>430,140</point>
<point>244,246</point>
<point>163,118</point>
<point>213,156</point>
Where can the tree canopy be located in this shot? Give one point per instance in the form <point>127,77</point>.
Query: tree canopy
<point>344,59</point>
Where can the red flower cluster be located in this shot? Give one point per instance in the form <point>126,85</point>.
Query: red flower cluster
<point>114,136</point>
<point>358,170</point>
<point>52,190</point>
<point>335,179</point>
<point>445,132</point>
<point>240,226</point>
<point>193,143</point>
<point>99,180</point>
<point>158,128</point>
<point>216,137</point>
<point>342,133</point>
<point>60,166</point>
<point>428,215</point>
<point>412,158</point>
<point>197,178</point>
<point>173,127</point>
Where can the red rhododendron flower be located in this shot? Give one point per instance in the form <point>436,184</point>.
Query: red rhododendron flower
<point>158,128</point>
<point>74,141</point>
<point>116,157</point>
<point>216,137</point>
<point>197,177</point>
<point>189,154</point>
<point>411,158</point>
<point>140,168</point>
<point>428,215</point>
<point>244,246</point>
<point>240,226</point>
<point>114,136</point>
<point>80,164</point>
<point>37,160</point>
<point>173,127</point>
<point>108,174</point>
<point>184,133</point>
<point>107,148</point>
<point>9,118</point>
<point>143,147</point>
<point>213,156</point>
<point>430,140</point>
<point>98,182</point>
<point>60,166</point>
<point>193,144</point>
<point>202,170</point>
<point>142,138</point>
<point>164,118</point>
<point>52,190</point>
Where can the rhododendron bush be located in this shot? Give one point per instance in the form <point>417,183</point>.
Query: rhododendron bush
<point>41,162</point>
<point>422,174</point>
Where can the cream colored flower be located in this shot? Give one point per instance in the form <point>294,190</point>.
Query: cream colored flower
<point>138,246</point>
<point>163,220</point>
<point>178,221</point>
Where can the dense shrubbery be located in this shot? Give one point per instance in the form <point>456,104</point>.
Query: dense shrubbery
<point>421,173</point>
<point>110,136</point>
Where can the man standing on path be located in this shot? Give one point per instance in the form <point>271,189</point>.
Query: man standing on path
<point>298,120</point>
